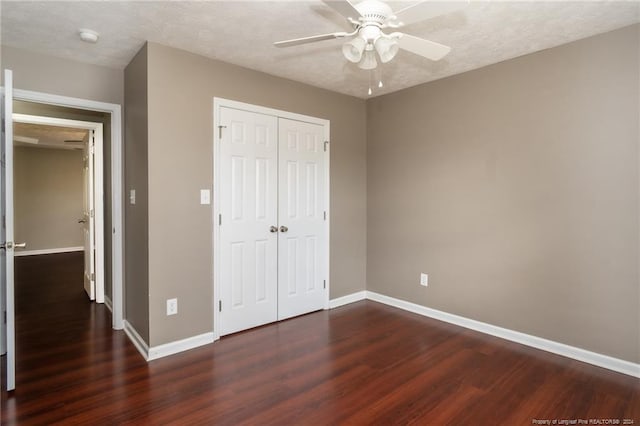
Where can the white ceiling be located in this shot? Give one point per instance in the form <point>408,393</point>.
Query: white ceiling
<point>242,33</point>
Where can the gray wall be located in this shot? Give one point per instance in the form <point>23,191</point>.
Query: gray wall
<point>48,197</point>
<point>136,292</point>
<point>181,90</point>
<point>48,74</point>
<point>516,188</point>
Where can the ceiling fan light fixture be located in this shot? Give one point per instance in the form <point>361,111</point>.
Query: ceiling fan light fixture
<point>353,49</point>
<point>387,48</point>
<point>368,61</point>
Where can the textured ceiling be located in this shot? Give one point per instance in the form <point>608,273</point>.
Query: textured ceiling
<point>49,136</point>
<point>242,33</point>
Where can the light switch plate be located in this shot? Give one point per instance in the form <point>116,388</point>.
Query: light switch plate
<point>132,196</point>
<point>205,196</point>
<point>172,306</point>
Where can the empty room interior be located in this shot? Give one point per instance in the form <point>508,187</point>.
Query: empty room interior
<point>320,212</point>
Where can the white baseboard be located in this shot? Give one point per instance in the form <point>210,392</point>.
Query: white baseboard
<point>600,360</point>
<point>136,339</point>
<point>108,303</point>
<point>160,351</point>
<point>47,251</point>
<point>349,298</point>
<point>604,361</point>
<point>167,349</point>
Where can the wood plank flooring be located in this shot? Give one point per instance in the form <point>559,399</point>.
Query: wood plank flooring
<point>364,363</point>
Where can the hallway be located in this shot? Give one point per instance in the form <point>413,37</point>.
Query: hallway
<point>63,341</point>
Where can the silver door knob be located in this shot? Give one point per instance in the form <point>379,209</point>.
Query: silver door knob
<point>20,245</point>
<point>283,228</point>
<point>273,229</point>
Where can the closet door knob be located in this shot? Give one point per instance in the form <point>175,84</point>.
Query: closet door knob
<point>273,229</point>
<point>283,228</point>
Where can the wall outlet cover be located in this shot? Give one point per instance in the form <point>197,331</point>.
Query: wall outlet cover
<point>424,279</point>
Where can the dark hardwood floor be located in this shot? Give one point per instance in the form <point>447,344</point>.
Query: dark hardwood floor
<point>364,363</point>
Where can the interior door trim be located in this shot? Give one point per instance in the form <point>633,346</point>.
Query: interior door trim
<point>219,103</point>
<point>117,185</point>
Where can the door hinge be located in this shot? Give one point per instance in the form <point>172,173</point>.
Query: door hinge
<point>326,143</point>
<point>324,284</point>
<point>220,219</point>
<point>4,317</point>
<point>93,276</point>
<point>91,213</point>
<point>325,215</point>
<point>4,221</point>
<point>3,125</point>
<point>219,305</point>
<point>220,131</point>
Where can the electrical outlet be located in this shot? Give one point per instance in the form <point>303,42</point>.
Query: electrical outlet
<point>424,280</point>
<point>172,306</point>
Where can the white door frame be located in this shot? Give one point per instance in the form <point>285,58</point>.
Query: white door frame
<point>98,173</point>
<point>117,216</point>
<point>226,103</point>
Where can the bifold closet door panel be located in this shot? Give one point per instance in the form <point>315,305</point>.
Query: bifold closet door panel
<point>248,206</point>
<point>301,240</point>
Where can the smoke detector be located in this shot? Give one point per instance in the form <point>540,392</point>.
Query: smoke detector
<point>88,36</point>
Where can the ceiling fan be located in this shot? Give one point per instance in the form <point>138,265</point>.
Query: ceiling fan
<point>369,18</point>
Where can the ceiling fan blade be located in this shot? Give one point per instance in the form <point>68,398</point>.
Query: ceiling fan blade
<point>311,39</point>
<point>25,139</point>
<point>425,10</point>
<point>344,8</point>
<point>419,46</point>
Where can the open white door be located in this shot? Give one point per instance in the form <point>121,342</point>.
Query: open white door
<point>6,233</point>
<point>88,218</point>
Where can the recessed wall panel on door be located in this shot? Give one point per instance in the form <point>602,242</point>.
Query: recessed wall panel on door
<point>248,208</point>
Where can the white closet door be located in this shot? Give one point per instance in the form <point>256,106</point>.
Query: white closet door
<point>248,205</point>
<point>301,240</point>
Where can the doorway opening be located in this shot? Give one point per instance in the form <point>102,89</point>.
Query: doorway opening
<point>58,192</point>
<point>113,209</point>
<point>55,106</point>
